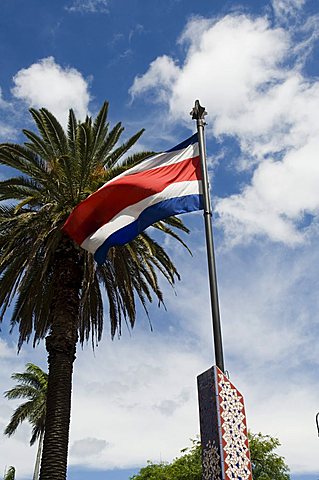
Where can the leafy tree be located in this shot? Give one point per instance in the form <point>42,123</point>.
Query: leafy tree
<point>10,474</point>
<point>31,385</point>
<point>266,464</point>
<point>186,467</point>
<point>55,284</point>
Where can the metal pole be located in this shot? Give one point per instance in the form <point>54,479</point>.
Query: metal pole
<point>198,113</point>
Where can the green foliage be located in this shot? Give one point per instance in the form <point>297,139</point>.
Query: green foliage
<point>267,465</point>
<point>10,474</point>
<point>186,467</point>
<point>31,385</point>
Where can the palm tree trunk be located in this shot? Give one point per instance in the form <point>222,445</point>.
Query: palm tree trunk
<point>61,347</point>
<point>38,458</point>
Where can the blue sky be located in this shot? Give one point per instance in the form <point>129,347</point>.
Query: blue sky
<point>253,64</point>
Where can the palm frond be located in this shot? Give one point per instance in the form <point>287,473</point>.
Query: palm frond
<point>168,231</point>
<point>109,141</point>
<point>100,126</point>
<point>72,134</point>
<point>55,132</point>
<point>21,414</point>
<point>10,474</point>
<point>120,151</point>
<point>37,145</point>
<point>32,385</point>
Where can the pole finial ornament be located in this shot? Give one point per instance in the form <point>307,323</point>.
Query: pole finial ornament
<point>198,112</point>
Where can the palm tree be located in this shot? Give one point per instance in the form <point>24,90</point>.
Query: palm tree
<point>55,284</point>
<point>32,385</point>
<point>10,474</point>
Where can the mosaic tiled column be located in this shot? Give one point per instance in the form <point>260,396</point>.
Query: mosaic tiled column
<point>223,428</point>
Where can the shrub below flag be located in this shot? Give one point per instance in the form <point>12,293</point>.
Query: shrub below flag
<point>166,184</point>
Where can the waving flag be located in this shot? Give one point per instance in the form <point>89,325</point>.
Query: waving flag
<point>166,184</point>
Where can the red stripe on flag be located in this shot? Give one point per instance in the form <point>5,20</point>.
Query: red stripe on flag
<point>100,207</point>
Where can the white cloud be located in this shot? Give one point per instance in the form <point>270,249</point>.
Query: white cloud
<point>7,131</point>
<point>47,84</point>
<point>144,406</point>
<point>162,73</point>
<point>168,407</point>
<point>224,66</point>
<point>5,351</point>
<point>284,10</point>
<point>138,29</point>
<point>87,447</point>
<point>281,192</point>
<point>248,74</point>
<point>3,103</point>
<point>88,6</point>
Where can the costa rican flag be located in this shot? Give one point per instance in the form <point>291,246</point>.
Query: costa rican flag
<point>166,184</point>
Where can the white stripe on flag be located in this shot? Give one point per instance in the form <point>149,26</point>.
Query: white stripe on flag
<point>160,160</point>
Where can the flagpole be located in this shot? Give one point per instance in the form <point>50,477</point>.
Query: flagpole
<point>198,113</point>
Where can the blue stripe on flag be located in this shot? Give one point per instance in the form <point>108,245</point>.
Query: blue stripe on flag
<point>189,141</point>
<point>150,215</point>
